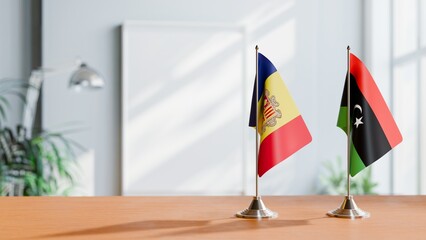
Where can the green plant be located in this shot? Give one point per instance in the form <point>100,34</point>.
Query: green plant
<point>41,165</point>
<point>334,181</point>
<point>37,165</point>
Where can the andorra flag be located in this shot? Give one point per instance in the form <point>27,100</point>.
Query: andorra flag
<point>281,127</point>
<point>373,129</point>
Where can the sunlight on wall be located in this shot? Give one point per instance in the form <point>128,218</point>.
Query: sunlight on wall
<point>280,45</point>
<point>189,130</point>
<point>405,105</point>
<point>200,55</point>
<point>405,33</point>
<point>266,13</point>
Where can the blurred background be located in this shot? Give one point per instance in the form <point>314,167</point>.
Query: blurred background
<point>172,116</point>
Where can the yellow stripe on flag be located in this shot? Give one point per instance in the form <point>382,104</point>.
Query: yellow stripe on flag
<point>276,88</point>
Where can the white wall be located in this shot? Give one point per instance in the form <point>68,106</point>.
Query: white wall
<point>15,48</point>
<point>306,40</point>
<point>395,57</point>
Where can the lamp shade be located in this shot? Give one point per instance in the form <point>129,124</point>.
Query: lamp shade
<point>86,77</point>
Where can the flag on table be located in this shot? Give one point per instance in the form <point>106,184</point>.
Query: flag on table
<point>374,131</point>
<point>281,127</point>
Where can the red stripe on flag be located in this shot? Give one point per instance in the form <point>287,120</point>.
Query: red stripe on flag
<point>268,115</point>
<point>282,143</point>
<point>374,98</point>
<point>268,110</point>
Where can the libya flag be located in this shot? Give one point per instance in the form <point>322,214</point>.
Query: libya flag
<point>373,129</point>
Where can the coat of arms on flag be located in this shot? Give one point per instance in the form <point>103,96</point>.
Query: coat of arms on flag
<point>281,127</point>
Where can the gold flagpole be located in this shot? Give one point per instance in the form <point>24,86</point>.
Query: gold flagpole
<point>348,209</point>
<point>257,208</point>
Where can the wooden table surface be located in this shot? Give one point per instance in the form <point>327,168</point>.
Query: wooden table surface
<point>301,217</point>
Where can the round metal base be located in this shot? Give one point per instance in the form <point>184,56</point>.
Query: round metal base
<point>348,209</point>
<point>257,209</point>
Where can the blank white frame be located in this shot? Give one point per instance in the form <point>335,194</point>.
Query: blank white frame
<point>166,26</point>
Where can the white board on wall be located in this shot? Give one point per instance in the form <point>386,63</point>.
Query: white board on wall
<point>182,109</point>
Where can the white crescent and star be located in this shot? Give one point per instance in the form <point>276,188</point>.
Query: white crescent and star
<point>358,121</point>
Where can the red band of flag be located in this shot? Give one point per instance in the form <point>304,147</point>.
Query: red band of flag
<point>284,138</point>
<point>371,92</point>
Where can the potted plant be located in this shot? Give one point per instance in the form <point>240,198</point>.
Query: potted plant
<point>32,165</point>
<point>334,179</point>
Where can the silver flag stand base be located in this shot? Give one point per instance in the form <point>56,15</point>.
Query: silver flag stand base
<point>348,209</point>
<point>257,209</point>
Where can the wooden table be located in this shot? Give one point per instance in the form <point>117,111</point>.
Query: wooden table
<point>301,217</point>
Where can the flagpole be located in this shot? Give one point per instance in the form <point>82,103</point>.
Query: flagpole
<point>257,208</point>
<point>257,121</point>
<point>348,209</point>
<point>349,122</point>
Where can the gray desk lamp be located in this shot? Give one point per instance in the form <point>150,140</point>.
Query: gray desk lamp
<point>86,77</point>
<point>82,77</point>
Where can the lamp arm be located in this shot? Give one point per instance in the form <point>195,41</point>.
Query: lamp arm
<point>31,99</point>
<point>47,72</point>
<point>33,93</point>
